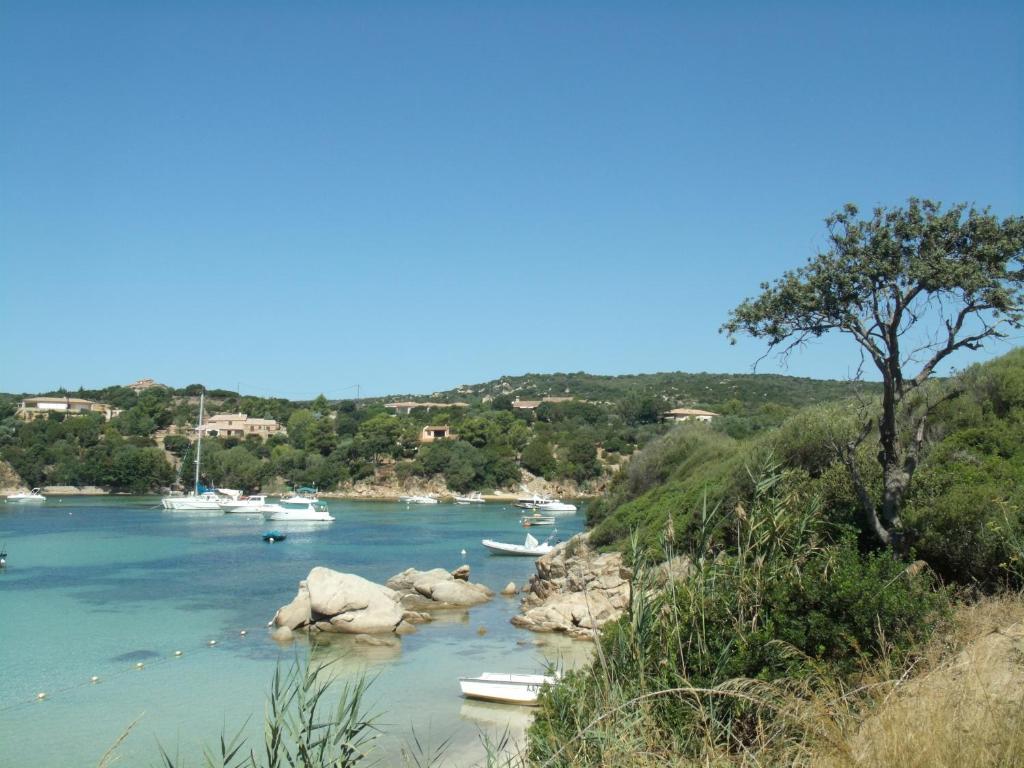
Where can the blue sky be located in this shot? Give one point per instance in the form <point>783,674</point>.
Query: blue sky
<point>410,196</point>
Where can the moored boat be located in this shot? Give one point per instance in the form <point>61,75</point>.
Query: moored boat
<point>419,499</point>
<point>474,498</point>
<point>505,688</point>
<point>310,512</point>
<point>27,497</point>
<point>555,506</point>
<point>529,548</point>
<point>536,519</point>
<point>272,536</point>
<point>243,504</point>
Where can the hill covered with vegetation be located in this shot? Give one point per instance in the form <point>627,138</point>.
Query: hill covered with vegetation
<point>578,442</point>
<point>783,623</point>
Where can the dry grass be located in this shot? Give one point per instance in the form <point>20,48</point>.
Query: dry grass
<point>963,709</point>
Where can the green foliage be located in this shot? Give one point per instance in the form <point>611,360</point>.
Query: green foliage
<point>693,660</point>
<point>176,444</point>
<point>539,459</point>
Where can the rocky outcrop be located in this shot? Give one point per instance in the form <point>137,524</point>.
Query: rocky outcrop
<point>439,588</point>
<point>331,601</point>
<point>575,590</point>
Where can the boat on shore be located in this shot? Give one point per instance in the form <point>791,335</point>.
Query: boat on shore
<point>505,688</point>
<point>474,498</point>
<point>529,548</point>
<point>26,497</point>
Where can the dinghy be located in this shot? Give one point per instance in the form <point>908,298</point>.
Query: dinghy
<point>505,688</point>
<point>529,548</point>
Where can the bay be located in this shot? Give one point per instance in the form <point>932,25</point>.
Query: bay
<point>96,585</point>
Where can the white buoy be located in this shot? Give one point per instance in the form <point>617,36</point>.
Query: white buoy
<point>139,665</point>
<point>212,643</point>
<point>41,695</point>
<point>463,553</point>
<point>243,633</point>
<point>94,679</point>
<point>177,653</point>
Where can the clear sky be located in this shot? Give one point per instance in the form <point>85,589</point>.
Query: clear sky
<point>300,197</point>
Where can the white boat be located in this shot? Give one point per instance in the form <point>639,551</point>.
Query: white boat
<point>199,499</point>
<point>303,495</point>
<point>310,512</point>
<point>425,499</point>
<point>505,688</point>
<point>555,506</point>
<point>536,519</point>
<point>529,548</point>
<point>27,497</point>
<point>532,502</point>
<point>474,498</point>
<point>243,504</point>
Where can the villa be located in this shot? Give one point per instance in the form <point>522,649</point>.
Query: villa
<point>405,408</point>
<point>531,405</point>
<point>689,414</point>
<point>240,425</point>
<point>32,408</point>
<point>432,434</point>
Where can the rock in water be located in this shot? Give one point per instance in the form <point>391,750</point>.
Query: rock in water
<point>461,573</point>
<point>510,589</point>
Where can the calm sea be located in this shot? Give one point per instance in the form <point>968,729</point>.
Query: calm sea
<point>95,585</point>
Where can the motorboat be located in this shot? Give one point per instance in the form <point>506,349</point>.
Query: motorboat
<point>272,536</point>
<point>243,504</point>
<point>474,498</point>
<point>310,512</point>
<point>534,501</point>
<point>536,519</point>
<point>301,495</point>
<point>27,497</point>
<point>420,499</point>
<point>506,688</point>
<point>203,500</point>
<point>556,506</point>
<point>529,548</point>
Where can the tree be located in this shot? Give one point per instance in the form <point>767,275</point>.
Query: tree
<point>912,286</point>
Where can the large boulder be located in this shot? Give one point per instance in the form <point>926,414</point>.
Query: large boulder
<point>341,602</point>
<point>575,590</point>
<point>437,588</point>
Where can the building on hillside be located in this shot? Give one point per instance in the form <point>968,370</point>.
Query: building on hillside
<point>32,408</point>
<point>406,407</point>
<point>689,414</point>
<point>532,405</point>
<point>432,434</point>
<point>240,425</point>
<point>143,384</point>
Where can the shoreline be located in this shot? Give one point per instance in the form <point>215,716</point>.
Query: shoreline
<point>361,495</point>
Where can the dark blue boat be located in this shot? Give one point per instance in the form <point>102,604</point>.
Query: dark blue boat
<point>273,536</point>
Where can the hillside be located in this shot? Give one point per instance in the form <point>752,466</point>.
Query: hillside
<point>575,444</point>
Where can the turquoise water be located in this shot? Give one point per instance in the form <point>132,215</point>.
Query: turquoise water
<point>95,585</point>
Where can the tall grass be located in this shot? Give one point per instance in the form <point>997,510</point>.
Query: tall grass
<point>743,660</point>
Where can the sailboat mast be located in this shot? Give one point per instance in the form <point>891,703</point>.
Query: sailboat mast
<point>199,443</point>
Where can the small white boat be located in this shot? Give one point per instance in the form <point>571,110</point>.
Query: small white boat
<point>536,519</point>
<point>505,688</point>
<point>424,499</point>
<point>532,502</point>
<point>27,497</point>
<point>200,502</point>
<point>310,512</point>
<point>243,504</point>
<point>474,498</point>
<point>529,548</point>
<point>555,506</point>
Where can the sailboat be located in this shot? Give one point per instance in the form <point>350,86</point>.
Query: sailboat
<point>199,498</point>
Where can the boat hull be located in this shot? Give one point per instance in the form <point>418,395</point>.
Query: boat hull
<point>505,689</point>
<point>516,550</point>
